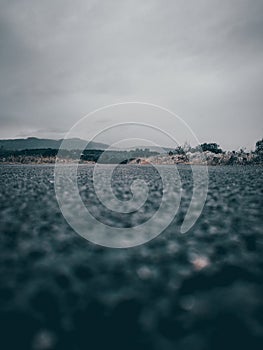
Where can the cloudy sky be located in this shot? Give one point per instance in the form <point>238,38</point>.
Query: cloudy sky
<point>203,59</point>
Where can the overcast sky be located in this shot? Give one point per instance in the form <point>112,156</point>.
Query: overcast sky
<point>203,59</point>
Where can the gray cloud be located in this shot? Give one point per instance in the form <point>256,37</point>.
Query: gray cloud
<point>202,59</point>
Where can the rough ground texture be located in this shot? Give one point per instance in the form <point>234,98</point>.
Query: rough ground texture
<point>201,290</point>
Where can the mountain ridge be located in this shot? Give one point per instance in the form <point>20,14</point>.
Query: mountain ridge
<point>29,143</point>
<point>42,143</point>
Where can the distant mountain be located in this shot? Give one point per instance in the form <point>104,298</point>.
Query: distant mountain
<point>36,143</point>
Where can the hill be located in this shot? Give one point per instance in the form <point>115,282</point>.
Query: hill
<point>36,143</point>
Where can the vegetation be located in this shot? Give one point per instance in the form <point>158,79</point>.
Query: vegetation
<point>259,150</point>
<point>211,147</point>
<point>49,155</point>
<point>211,153</point>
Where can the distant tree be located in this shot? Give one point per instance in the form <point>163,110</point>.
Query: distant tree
<point>179,150</point>
<point>259,151</point>
<point>187,147</point>
<point>211,147</point>
<point>259,147</point>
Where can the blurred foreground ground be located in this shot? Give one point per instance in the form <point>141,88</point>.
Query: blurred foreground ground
<point>201,290</point>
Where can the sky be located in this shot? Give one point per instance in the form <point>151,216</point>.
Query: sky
<point>201,59</point>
